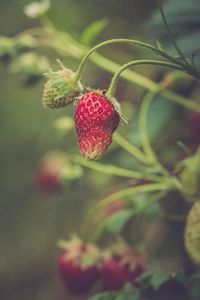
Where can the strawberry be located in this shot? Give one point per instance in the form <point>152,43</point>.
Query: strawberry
<point>60,89</point>
<point>192,233</point>
<point>48,174</point>
<point>190,176</point>
<point>77,266</point>
<point>118,270</point>
<point>96,119</point>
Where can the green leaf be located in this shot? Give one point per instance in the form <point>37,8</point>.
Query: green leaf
<point>92,31</point>
<point>154,279</point>
<point>146,204</point>
<point>104,296</point>
<point>127,293</point>
<point>116,222</point>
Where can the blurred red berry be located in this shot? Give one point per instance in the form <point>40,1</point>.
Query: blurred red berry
<point>119,270</point>
<point>78,268</point>
<point>48,173</point>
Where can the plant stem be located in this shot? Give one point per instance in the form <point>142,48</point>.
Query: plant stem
<point>100,229</point>
<point>143,81</point>
<point>179,52</point>
<point>113,170</point>
<point>130,148</point>
<point>121,194</point>
<point>143,114</point>
<point>112,88</point>
<point>108,42</point>
<point>69,46</point>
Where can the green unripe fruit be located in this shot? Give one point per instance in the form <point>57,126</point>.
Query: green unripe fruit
<point>190,177</point>
<point>60,89</point>
<point>192,233</point>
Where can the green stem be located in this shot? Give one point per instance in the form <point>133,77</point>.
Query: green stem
<point>179,52</point>
<point>130,148</point>
<point>113,170</point>
<point>64,44</point>
<point>142,81</point>
<point>112,88</point>
<point>108,42</point>
<point>121,194</point>
<point>143,114</point>
<point>101,228</point>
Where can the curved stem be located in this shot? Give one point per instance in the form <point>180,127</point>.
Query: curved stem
<point>143,82</point>
<point>130,148</point>
<point>112,88</point>
<point>146,102</point>
<point>143,114</point>
<point>113,170</point>
<point>108,42</point>
<point>179,52</point>
<point>121,194</point>
<point>68,45</point>
<point>101,228</point>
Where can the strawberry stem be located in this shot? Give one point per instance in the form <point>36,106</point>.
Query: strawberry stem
<point>122,194</point>
<point>101,228</point>
<point>143,130</point>
<point>113,170</point>
<point>130,148</point>
<point>65,44</point>
<point>128,41</point>
<point>113,85</point>
<point>179,52</point>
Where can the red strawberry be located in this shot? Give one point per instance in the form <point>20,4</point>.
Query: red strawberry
<point>78,267</point>
<point>48,174</point>
<point>118,270</point>
<point>96,119</point>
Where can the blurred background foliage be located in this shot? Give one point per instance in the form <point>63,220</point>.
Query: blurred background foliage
<point>30,221</point>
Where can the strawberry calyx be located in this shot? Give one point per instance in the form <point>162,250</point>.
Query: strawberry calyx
<point>63,80</point>
<point>126,256</point>
<point>117,107</point>
<point>121,265</point>
<point>61,88</point>
<point>80,254</point>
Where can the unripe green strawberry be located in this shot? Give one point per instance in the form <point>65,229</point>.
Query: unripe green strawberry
<point>190,177</point>
<point>192,233</point>
<point>60,89</point>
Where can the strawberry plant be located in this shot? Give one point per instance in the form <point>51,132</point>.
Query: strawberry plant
<point>156,205</point>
